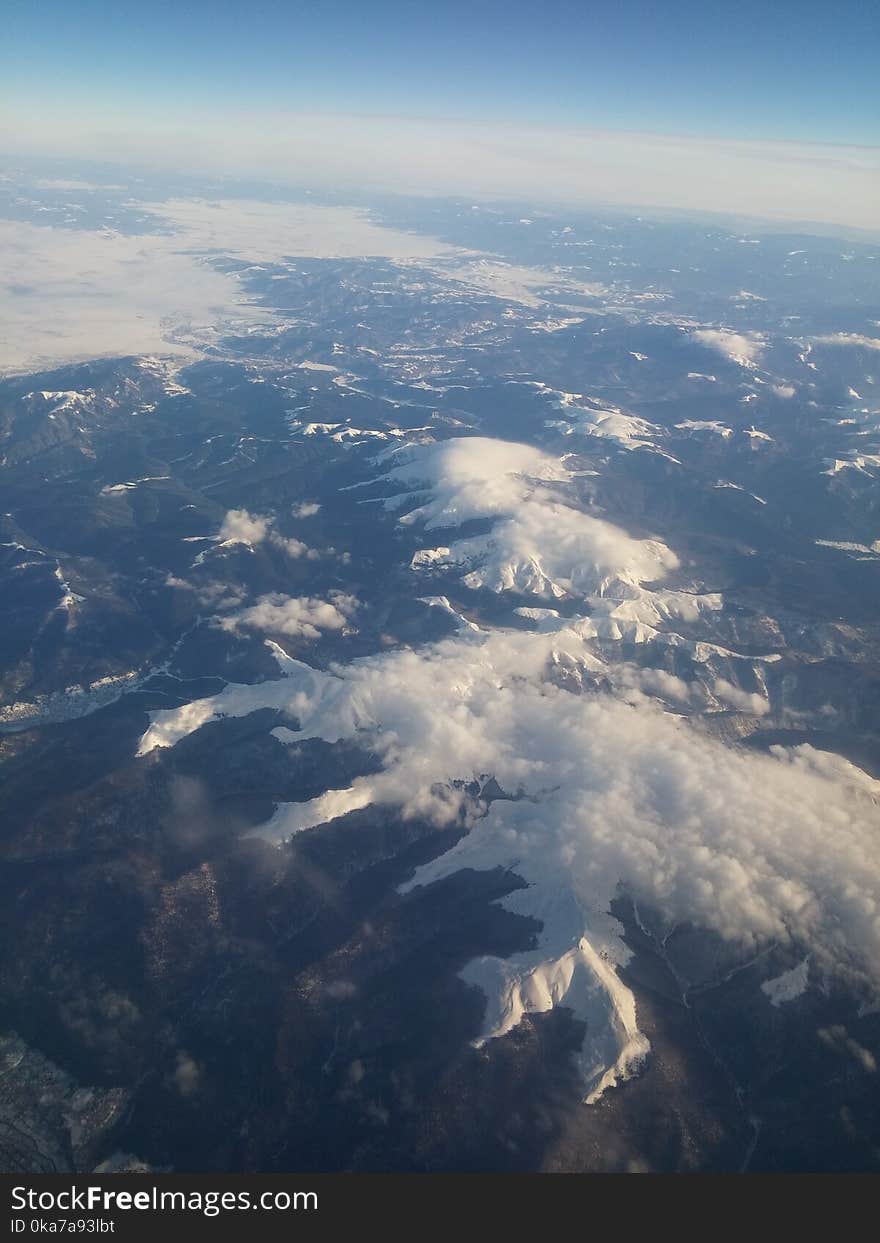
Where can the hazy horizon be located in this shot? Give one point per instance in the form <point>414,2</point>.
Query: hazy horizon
<point>771,114</point>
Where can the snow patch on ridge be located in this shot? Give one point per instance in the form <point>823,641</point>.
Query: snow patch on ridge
<point>788,986</point>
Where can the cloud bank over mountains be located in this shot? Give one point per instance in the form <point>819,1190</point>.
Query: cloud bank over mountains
<point>778,181</point>
<point>539,543</point>
<point>757,848</point>
<point>607,792</point>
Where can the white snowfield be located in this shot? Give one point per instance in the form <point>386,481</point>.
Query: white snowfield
<point>864,463</point>
<point>611,792</point>
<point>788,986</point>
<point>868,550</point>
<point>706,425</point>
<point>111,488</point>
<point>67,705</point>
<point>585,982</point>
<point>591,416</point>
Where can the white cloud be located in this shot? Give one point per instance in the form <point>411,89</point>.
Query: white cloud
<point>708,831</point>
<point>294,548</point>
<point>739,347</point>
<point>469,477</point>
<point>301,617</point>
<point>187,1074</point>
<point>62,183</point>
<point>306,509</point>
<point>243,527</point>
<point>667,685</point>
<point>736,841</point>
<point>614,791</point>
<point>263,231</point>
<point>538,543</point>
<point>850,338</point>
<point>743,701</point>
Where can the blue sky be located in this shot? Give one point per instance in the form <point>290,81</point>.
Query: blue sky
<point>804,71</point>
